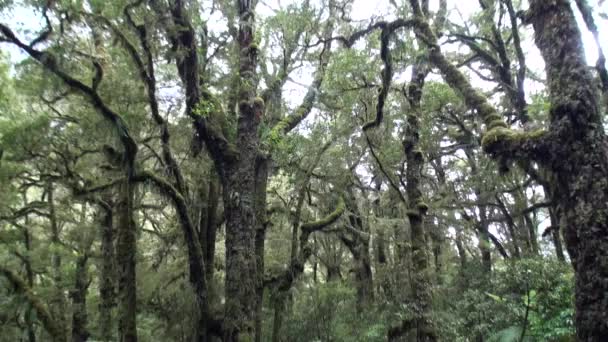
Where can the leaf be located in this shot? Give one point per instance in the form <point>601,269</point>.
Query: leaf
<point>495,297</point>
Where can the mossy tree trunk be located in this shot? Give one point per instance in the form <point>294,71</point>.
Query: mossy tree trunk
<point>79,300</point>
<point>417,209</point>
<point>356,238</point>
<point>107,273</point>
<point>126,253</point>
<point>58,304</point>
<point>578,158</point>
<point>573,150</point>
<point>239,192</point>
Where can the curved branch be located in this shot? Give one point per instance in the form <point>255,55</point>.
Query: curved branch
<point>50,324</point>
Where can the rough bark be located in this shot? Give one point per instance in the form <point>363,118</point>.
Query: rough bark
<point>79,300</point>
<point>107,274</point>
<point>579,160</point>
<point>239,192</point>
<point>574,149</point>
<point>126,252</point>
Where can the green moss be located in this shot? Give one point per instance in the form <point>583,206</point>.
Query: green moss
<point>422,207</point>
<point>504,139</point>
<point>496,124</point>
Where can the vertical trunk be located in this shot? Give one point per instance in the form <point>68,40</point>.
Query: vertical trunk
<point>364,278</point>
<point>556,236</point>
<point>484,240</point>
<point>79,301</point>
<point>29,314</point>
<point>261,183</point>
<point>107,274</point>
<point>357,241</point>
<point>279,312</point>
<point>58,306</point>
<point>239,193</point>
<point>579,160</point>
<point>126,252</point>
<point>417,209</point>
<point>209,197</point>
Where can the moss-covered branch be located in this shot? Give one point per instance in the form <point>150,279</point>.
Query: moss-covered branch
<point>311,227</point>
<point>284,281</point>
<point>58,334</point>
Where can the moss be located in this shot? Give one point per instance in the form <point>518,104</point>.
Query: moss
<point>503,139</point>
<point>258,102</point>
<point>496,124</point>
<point>327,220</point>
<point>492,117</point>
<point>422,207</point>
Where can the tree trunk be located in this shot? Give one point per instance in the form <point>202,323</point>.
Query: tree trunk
<point>58,303</point>
<point>29,314</point>
<point>416,212</point>
<point>261,183</point>
<point>579,159</point>
<point>126,252</point>
<point>107,274</point>
<point>79,301</point>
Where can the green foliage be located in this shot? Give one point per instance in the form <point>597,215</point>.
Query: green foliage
<point>543,287</point>
<point>327,312</point>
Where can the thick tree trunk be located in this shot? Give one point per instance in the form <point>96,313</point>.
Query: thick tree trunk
<point>107,274</point>
<point>357,240</point>
<point>416,212</point>
<point>126,252</point>
<point>279,312</point>
<point>79,301</point>
<point>579,159</point>
<point>261,183</point>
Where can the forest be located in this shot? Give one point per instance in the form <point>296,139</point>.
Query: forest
<point>312,170</point>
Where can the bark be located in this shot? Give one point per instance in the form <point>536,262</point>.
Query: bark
<point>126,252</point>
<point>574,149</point>
<point>578,159</point>
<point>79,300</point>
<point>58,303</point>
<point>209,197</point>
<point>279,312</point>
<point>556,236</point>
<point>417,209</point>
<point>107,274</point>
<point>357,239</point>
<point>29,314</point>
<point>239,193</point>
<point>261,184</point>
